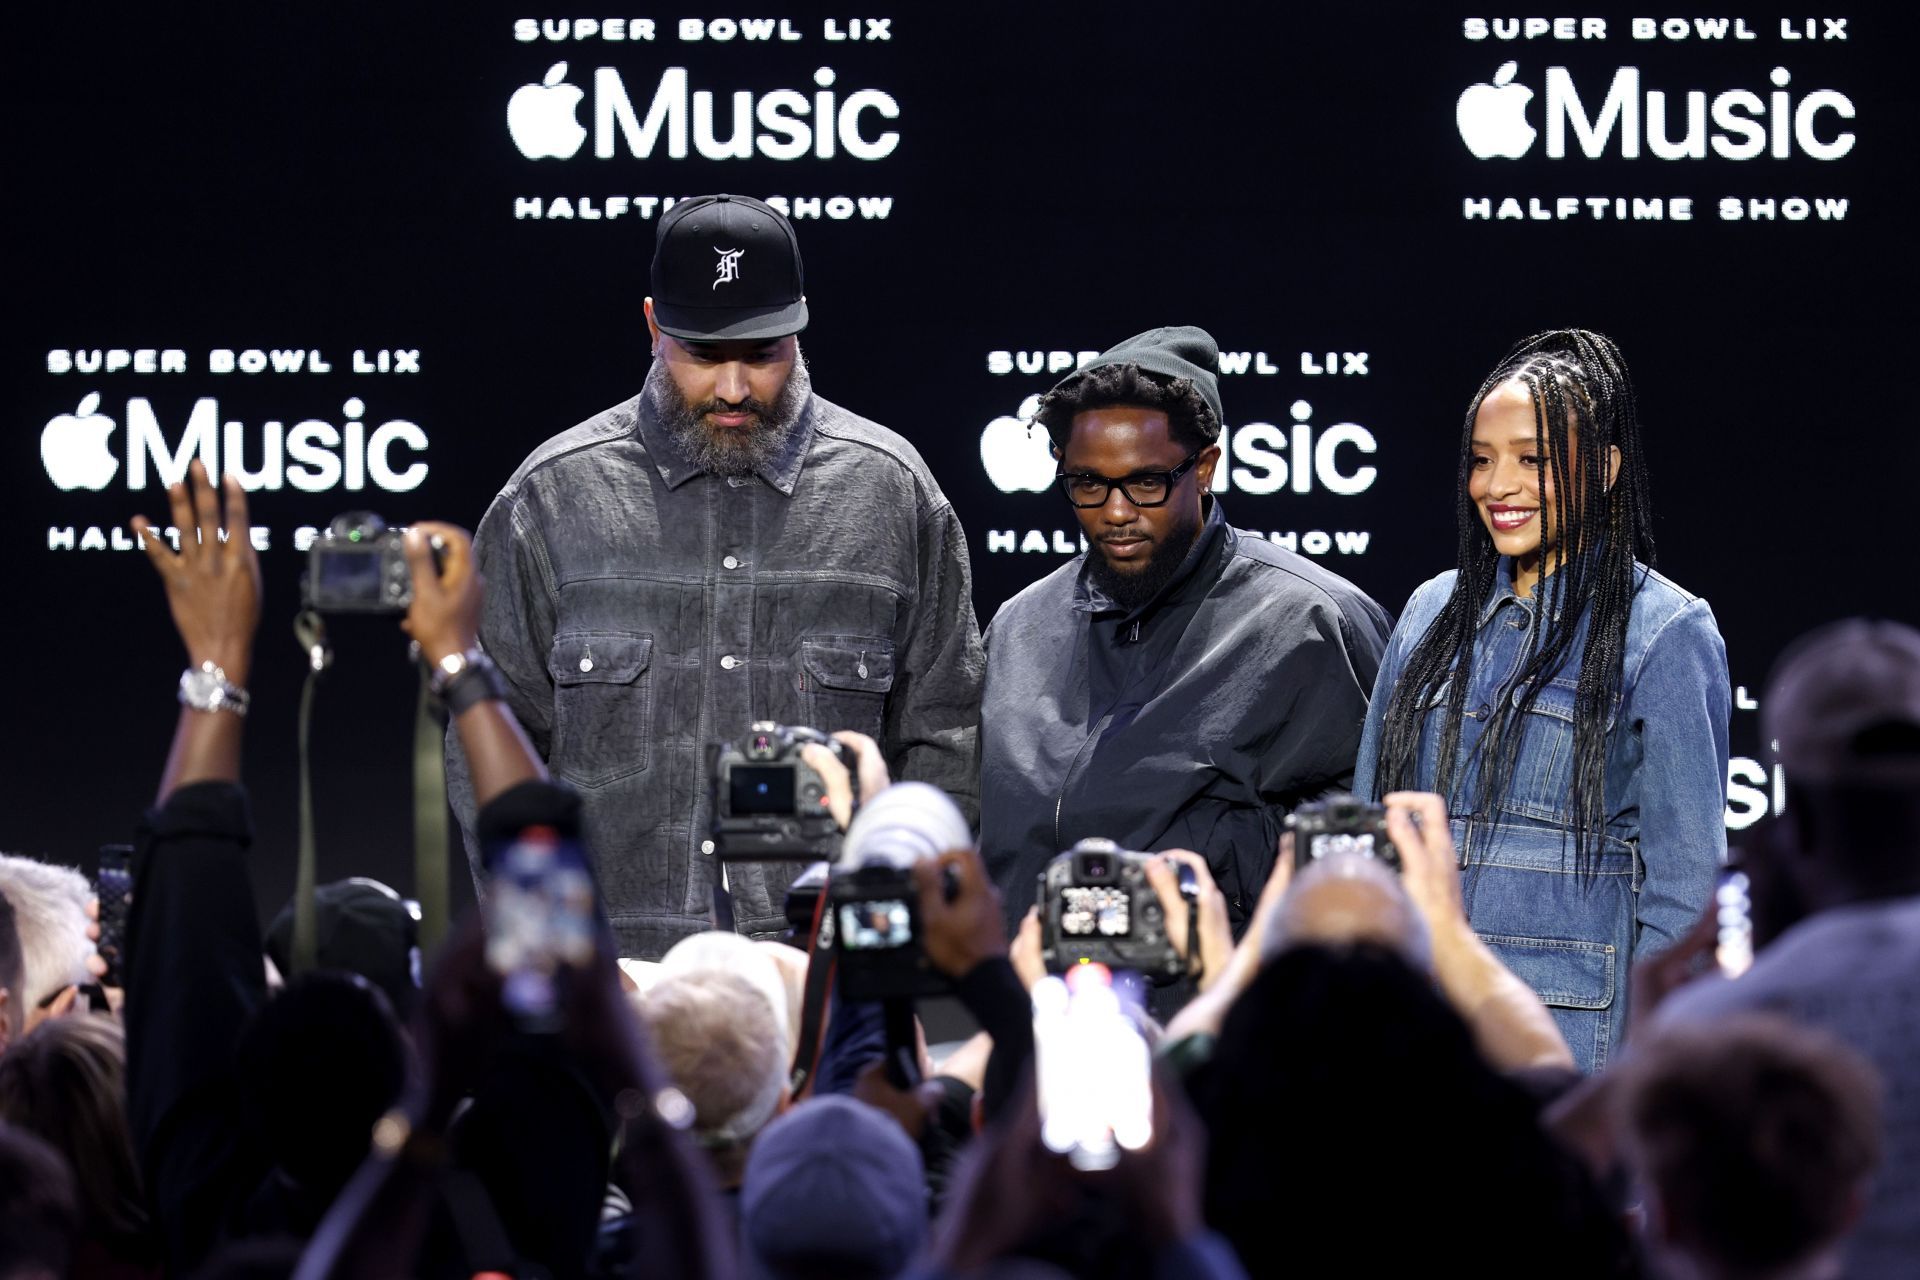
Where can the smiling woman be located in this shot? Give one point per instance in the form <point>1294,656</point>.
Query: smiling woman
<point>1569,702</point>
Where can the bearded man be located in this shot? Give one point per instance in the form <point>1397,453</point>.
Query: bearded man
<point>1179,684</point>
<point>722,548</point>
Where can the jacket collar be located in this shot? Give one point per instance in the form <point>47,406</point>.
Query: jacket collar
<point>1210,550</point>
<point>1503,592</point>
<point>782,473</point>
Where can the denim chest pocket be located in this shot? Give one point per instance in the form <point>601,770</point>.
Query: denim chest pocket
<point>602,705</point>
<point>1543,771</point>
<point>846,680</point>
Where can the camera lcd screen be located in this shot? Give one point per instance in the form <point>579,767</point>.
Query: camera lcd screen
<point>347,575</point>
<point>879,925</point>
<point>1095,912</point>
<point>1360,842</point>
<point>760,788</point>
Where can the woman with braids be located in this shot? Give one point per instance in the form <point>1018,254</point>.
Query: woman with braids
<point>1569,702</point>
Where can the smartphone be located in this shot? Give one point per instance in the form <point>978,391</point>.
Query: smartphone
<point>113,885</point>
<point>540,920</point>
<point>1733,910</point>
<point>1095,1070</point>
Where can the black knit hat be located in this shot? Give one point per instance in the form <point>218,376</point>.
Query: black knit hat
<point>1172,351</point>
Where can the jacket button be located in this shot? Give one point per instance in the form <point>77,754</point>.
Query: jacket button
<point>731,562</point>
<point>586,664</point>
<point>706,846</point>
<point>729,662</point>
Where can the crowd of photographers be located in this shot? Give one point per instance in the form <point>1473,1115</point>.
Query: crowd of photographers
<point>1356,1086</point>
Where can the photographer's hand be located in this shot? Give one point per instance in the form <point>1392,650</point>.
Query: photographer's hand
<point>1510,1024</point>
<point>213,592</point>
<point>444,619</point>
<point>869,764</point>
<point>445,615</point>
<point>961,933</point>
<point>1026,952</point>
<point>1216,930</point>
<point>1207,1012</point>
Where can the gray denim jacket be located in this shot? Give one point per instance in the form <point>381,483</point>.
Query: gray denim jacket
<point>641,610</point>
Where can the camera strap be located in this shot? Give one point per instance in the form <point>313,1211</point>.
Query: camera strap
<point>311,632</point>
<point>813,1003</point>
<point>430,888</point>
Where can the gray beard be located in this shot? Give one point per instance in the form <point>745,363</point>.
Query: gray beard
<point>731,451</point>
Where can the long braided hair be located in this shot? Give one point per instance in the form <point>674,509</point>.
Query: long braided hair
<point>1583,407</point>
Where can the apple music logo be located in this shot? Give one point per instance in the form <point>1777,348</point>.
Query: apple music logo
<point>313,456</point>
<point>1257,458</point>
<point>1492,120</point>
<point>781,124</point>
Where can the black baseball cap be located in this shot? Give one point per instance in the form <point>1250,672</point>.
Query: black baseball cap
<point>727,269</point>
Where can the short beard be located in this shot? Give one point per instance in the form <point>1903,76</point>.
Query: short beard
<point>1131,590</point>
<point>731,451</point>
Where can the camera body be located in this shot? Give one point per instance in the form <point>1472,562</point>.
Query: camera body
<point>873,900</point>
<point>769,805</point>
<point>1096,906</point>
<point>876,934</point>
<point>1341,824</point>
<point>358,565</point>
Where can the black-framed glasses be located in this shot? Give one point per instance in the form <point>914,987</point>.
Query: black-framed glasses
<point>1142,488</point>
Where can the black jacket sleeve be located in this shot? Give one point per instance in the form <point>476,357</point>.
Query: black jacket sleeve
<point>194,978</point>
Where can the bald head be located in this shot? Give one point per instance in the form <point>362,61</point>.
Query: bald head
<point>1346,898</point>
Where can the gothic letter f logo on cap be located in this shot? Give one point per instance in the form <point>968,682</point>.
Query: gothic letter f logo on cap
<point>729,267</point>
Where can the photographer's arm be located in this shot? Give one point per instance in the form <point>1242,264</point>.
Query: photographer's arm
<point>1513,1028</point>
<point>966,939</point>
<point>193,964</point>
<point>213,592</point>
<point>445,619</point>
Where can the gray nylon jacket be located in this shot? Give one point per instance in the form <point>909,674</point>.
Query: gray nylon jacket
<point>1197,721</point>
<point>641,610</point>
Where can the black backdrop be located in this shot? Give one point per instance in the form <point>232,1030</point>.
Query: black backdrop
<point>342,178</point>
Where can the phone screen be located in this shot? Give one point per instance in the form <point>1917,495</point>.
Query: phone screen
<point>540,919</point>
<point>114,887</point>
<point>1095,1070</point>
<point>1733,911</point>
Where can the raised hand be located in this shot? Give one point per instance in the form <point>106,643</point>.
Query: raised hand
<point>212,581</point>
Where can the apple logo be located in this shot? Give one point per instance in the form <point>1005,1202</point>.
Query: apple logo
<point>540,117</point>
<point>73,447</point>
<point>1492,118</point>
<point>1017,459</point>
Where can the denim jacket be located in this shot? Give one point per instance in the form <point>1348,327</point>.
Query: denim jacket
<point>1571,938</point>
<point>641,610</point>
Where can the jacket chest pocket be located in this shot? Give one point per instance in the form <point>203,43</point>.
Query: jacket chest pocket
<point>602,705</point>
<point>845,680</point>
<point>1543,771</point>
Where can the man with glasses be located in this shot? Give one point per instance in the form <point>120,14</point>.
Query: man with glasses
<point>1180,684</point>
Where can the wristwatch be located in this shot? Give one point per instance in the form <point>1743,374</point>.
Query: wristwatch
<point>462,679</point>
<point>206,688</point>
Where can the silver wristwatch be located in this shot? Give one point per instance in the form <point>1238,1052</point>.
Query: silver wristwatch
<point>206,688</point>
<point>452,666</point>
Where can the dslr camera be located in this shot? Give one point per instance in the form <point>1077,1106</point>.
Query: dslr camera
<point>1097,907</point>
<point>1341,824</point>
<point>873,900</point>
<point>359,565</point>
<point>769,805</point>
